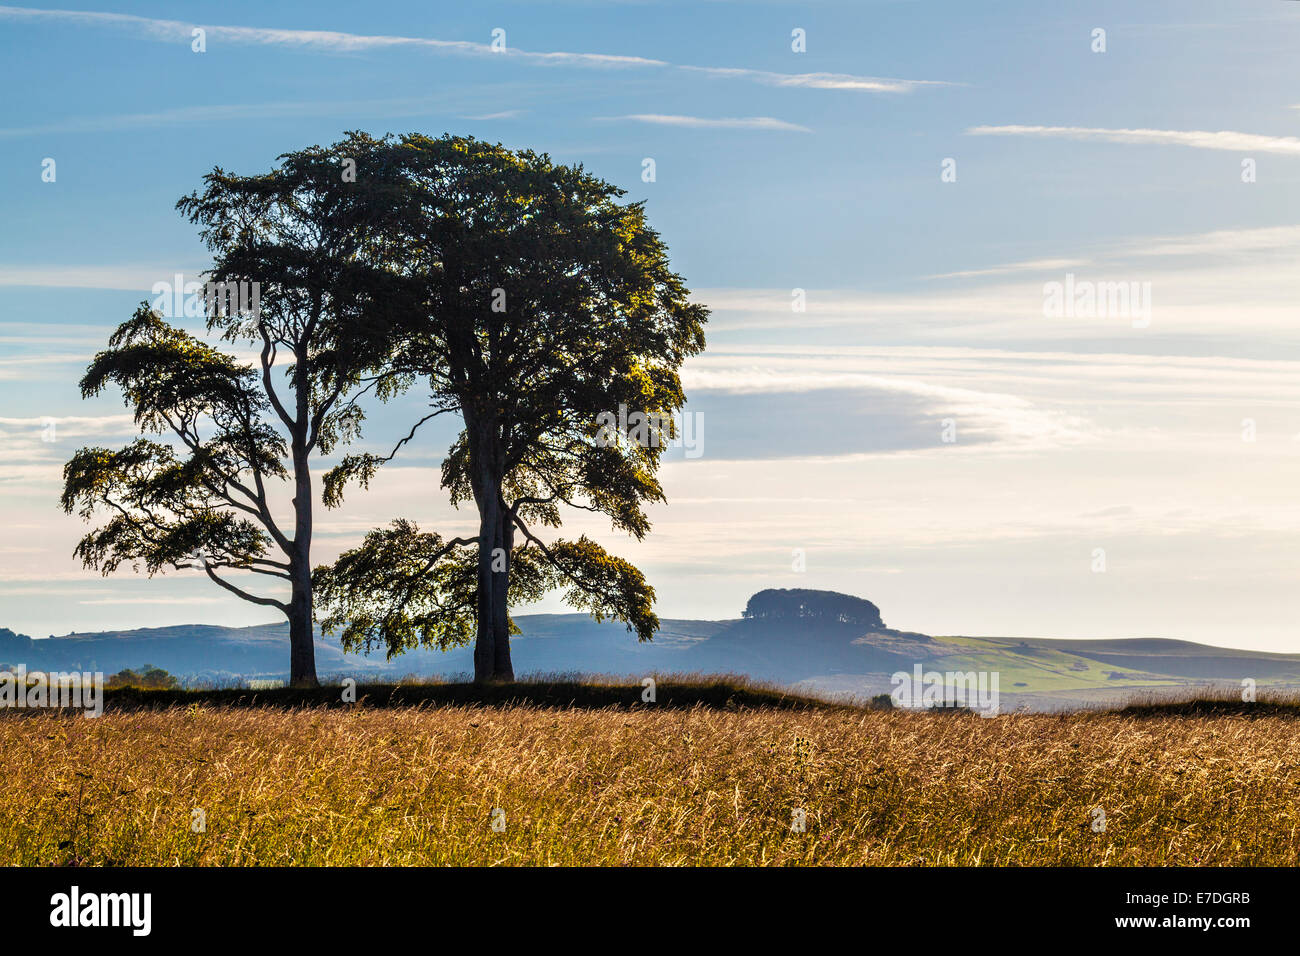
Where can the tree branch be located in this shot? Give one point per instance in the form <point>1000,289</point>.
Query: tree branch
<point>241,593</point>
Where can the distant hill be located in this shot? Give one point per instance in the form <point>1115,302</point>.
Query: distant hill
<point>818,640</point>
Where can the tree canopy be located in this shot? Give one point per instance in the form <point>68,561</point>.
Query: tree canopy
<point>300,275</point>
<point>521,296</point>
<point>533,300</point>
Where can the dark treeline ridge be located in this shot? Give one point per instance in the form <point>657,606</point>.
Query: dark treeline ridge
<point>715,692</point>
<point>1211,707</point>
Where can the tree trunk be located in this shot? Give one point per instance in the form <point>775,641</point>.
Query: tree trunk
<point>492,640</point>
<point>302,646</point>
<point>501,605</point>
<point>489,532</point>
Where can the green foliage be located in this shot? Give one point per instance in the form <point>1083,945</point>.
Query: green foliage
<point>328,294</point>
<point>602,584</point>
<point>311,286</point>
<point>593,317</point>
<point>523,295</point>
<point>393,589</point>
<point>403,588</point>
<point>534,302</point>
<point>165,505</point>
<point>148,677</point>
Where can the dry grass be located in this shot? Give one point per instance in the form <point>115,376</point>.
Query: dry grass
<point>645,786</point>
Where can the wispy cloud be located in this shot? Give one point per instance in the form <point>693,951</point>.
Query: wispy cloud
<point>1222,242</point>
<point>503,114</point>
<point>1003,416</point>
<point>333,41</point>
<point>190,115</point>
<point>131,278</point>
<point>1198,139</point>
<point>1241,285</point>
<point>1217,245</point>
<point>188,599</point>
<point>33,366</point>
<point>820,81</point>
<point>1029,265</point>
<point>705,122</point>
<point>79,424</point>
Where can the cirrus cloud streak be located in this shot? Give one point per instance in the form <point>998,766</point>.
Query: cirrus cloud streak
<point>1229,140</point>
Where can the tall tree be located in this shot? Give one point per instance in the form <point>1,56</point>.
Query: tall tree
<point>296,249</point>
<point>536,307</point>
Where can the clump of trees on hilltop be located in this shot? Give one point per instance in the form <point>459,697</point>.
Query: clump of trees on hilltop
<point>148,677</point>
<point>523,298</point>
<point>802,603</point>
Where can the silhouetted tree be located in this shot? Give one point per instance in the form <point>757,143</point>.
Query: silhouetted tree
<point>534,302</point>
<point>205,500</point>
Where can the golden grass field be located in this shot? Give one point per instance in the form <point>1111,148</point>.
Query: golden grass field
<point>418,785</point>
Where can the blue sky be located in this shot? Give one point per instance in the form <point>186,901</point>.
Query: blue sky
<point>1167,442</point>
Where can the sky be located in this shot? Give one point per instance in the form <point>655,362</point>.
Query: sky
<point>910,391</point>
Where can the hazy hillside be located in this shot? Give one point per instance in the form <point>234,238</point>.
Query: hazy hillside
<point>845,652</point>
<point>550,642</point>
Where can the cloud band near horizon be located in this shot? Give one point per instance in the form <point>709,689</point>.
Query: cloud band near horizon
<point>1229,140</point>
